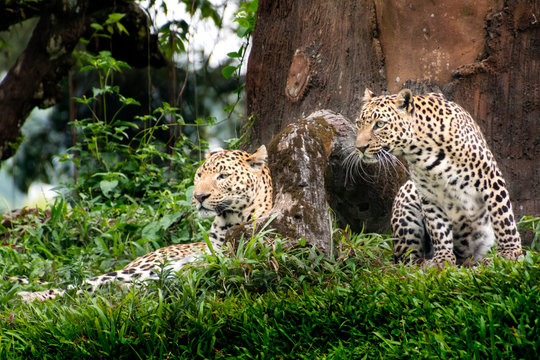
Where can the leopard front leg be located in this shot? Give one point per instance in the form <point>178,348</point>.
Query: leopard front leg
<point>503,222</point>
<point>411,244</point>
<point>439,228</point>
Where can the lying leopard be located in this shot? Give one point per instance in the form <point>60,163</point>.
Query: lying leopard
<point>232,185</point>
<point>455,205</point>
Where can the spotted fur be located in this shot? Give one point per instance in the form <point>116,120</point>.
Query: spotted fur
<point>232,185</point>
<point>455,205</point>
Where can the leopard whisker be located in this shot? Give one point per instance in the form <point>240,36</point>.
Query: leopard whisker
<point>400,164</point>
<point>394,162</point>
<point>385,162</point>
<point>354,167</point>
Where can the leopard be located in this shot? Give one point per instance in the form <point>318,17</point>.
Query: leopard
<point>233,186</point>
<point>455,206</point>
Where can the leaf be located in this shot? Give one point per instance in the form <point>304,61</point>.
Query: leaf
<point>107,186</point>
<point>227,71</point>
<point>86,68</point>
<point>243,22</point>
<point>151,231</point>
<point>234,54</point>
<point>101,91</point>
<point>114,18</point>
<point>129,101</point>
<point>211,120</point>
<point>229,108</point>
<point>122,29</point>
<point>83,100</point>
<point>243,31</point>
<point>169,219</point>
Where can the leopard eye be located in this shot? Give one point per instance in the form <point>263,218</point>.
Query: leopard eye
<point>379,124</point>
<point>223,176</point>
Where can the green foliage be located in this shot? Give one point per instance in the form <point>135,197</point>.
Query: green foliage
<point>111,25</point>
<point>115,159</point>
<point>173,37</point>
<point>245,17</point>
<point>206,8</point>
<point>132,194</point>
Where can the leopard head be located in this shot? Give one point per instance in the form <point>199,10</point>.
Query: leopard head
<point>231,181</point>
<point>384,126</point>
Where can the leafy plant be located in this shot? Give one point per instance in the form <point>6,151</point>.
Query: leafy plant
<point>132,195</point>
<point>124,160</point>
<point>531,223</point>
<point>189,83</point>
<point>245,18</point>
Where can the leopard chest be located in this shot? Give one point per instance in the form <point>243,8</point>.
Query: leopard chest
<point>450,187</point>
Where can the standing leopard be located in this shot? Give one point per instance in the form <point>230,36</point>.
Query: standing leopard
<point>455,205</point>
<point>232,185</point>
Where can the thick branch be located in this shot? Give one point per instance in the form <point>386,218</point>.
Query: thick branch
<point>33,80</point>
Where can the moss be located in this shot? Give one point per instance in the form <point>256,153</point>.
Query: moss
<point>315,137</point>
<point>324,132</point>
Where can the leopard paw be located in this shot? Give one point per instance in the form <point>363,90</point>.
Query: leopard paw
<point>439,263</point>
<point>511,254</point>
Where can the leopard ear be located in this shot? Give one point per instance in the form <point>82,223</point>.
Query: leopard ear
<point>212,152</point>
<point>368,95</point>
<point>404,100</point>
<point>258,159</point>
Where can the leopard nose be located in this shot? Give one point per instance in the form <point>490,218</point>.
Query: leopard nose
<point>362,149</point>
<point>201,196</point>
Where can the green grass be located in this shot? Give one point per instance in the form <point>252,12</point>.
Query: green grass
<point>262,301</point>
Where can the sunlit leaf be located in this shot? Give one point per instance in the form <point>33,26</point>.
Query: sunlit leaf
<point>114,18</point>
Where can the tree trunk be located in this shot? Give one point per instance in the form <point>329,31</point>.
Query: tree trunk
<point>483,54</point>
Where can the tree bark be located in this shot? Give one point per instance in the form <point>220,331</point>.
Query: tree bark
<point>483,54</point>
<point>33,80</point>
